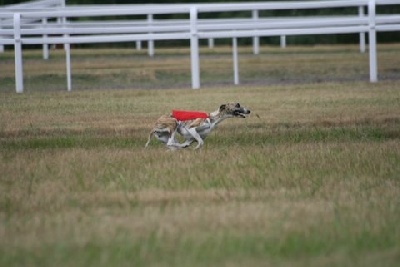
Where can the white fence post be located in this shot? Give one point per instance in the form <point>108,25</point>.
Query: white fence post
<point>194,49</point>
<point>67,49</point>
<point>235,61</point>
<point>68,66</point>
<point>150,43</point>
<point>256,39</point>
<point>283,41</point>
<point>138,45</point>
<point>361,13</point>
<point>211,43</point>
<point>1,46</point>
<point>373,73</point>
<point>19,74</point>
<point>45,46</point>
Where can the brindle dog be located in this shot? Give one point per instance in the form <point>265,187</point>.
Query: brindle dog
<point>197,130</point>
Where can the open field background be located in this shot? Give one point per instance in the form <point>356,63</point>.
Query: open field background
<point>170,68</point>
<point>313,180</point>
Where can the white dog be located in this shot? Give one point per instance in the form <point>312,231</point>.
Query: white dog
<point>192,126</point>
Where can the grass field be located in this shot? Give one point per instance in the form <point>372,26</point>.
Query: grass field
<point>311,178</point>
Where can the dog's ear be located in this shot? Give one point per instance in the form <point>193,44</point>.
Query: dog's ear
<point>237,105</point>
<point>222,107</point>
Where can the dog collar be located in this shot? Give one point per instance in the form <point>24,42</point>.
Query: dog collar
<point>184,115</point>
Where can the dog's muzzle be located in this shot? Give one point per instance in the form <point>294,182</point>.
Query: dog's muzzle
<point>241,112</point>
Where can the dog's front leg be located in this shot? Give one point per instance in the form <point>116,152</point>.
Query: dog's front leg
<point>196,136</point>
<point>187,143</point>
<point>171,140</point>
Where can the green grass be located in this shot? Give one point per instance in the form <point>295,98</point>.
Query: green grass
<point>311,178</point>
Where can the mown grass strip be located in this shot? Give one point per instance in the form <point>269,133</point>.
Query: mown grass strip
<point>254,135</point>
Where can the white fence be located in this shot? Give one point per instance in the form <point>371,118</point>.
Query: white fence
<point>58,24</point>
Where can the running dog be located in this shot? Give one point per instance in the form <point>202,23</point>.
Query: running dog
<point>192,125</point>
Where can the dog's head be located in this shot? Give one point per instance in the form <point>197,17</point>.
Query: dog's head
<point>233,110</point>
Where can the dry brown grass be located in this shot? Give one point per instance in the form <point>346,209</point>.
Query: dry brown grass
<point>313,180</point>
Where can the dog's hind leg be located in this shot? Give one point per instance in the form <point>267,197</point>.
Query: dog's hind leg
<point>162,135</point>
<point>149,138</point>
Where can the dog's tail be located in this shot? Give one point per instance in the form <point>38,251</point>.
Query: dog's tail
<point>149,138</point>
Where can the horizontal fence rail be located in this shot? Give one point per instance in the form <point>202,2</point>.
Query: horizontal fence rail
<point>51,22</point>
